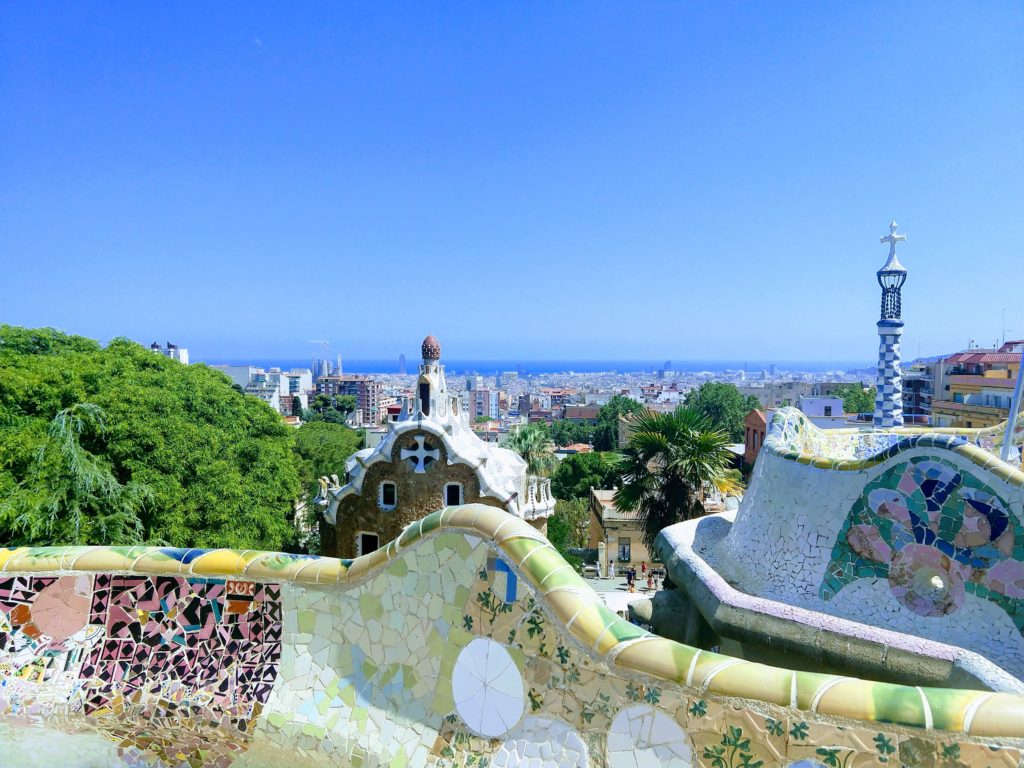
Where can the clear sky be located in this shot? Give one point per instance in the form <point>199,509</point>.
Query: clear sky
<point>539,180</point>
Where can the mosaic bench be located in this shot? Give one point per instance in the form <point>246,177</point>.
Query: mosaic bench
<point>468,641</point>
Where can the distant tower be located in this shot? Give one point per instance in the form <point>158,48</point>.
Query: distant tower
<point>401,365</point>
<point>891,277</point>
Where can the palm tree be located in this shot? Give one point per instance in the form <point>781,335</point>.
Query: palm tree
<point>668,461</point>
<point>533,443</point>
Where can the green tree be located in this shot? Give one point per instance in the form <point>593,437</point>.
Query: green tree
<point>606,433</point>
<point>723,405</point>
<point>70,494</point>
<point>668,461</point>
<point>568,527</point>
<point>333,409</point>
<point>579,472</point>
<point>565,432</point>
<point>321,449</point>
<point>533,443</point>
<point>217,464</point>
<point>296,406</point>
<point>856,399</point>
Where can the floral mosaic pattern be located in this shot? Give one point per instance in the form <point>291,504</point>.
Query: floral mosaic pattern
<point>937,534</point>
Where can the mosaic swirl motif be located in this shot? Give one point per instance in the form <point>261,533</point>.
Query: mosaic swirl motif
<point>937,534</point>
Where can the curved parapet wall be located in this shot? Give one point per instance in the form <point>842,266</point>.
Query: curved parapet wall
<point>467,641</point>
<point>909,530</point>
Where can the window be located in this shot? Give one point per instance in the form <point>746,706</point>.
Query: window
<point>388,496</point>
<point>828,410</point>
<point>624,549</point>
<point>366,543</point>
<point>425,398</point>
<point>453,494</point>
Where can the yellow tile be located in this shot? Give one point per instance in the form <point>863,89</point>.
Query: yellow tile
<point>218,562</point>
<point>7,555</point>
<point>1001,714</point>
<point>754,681</point>
<point>103,559</point>
<point>659,658</point>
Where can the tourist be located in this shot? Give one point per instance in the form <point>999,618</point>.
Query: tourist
<point>643,568</point>
<point>611,568</point>
<point>650,582</point>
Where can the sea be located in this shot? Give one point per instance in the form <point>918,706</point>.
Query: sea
<point>539,367</point>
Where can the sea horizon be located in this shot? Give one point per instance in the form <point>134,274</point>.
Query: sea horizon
<point>555,366</point>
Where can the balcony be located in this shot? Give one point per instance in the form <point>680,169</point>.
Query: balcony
<point>988,382</point>
<point>949,406</point>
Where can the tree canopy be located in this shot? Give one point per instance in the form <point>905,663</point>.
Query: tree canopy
<point>723,405</point>
<point>330,408</point>
<point>565,432</point>
<point>533,443</point>
<point>568,528</point>
<point>579,472</point>
<point>856,399</point>
<point>606,433</point>
<point>321,449</point>
<point>118,445</point>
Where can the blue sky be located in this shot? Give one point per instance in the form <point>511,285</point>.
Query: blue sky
<point>546,180</point>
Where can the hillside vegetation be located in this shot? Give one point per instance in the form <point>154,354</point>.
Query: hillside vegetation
<point>119,445</point>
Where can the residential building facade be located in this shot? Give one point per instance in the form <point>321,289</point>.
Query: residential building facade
<point>367,392</point>
<point>614,532</point>
<point>975,387</point>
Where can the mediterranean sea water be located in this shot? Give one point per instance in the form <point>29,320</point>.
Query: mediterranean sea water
<point>536,367</point>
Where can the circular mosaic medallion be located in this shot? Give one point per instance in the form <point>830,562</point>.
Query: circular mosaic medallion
<point>488,688</point>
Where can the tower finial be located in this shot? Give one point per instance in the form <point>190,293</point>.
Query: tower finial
<point>431,348</point>
<point>892,238</point>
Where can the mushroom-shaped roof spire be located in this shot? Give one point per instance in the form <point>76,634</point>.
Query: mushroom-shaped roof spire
<point>431,348</point>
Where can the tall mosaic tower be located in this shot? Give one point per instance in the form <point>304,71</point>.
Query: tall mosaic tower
<point>889,400</point>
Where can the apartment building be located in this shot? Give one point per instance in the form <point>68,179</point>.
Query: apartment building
<point>367,392</point>
<point>975,388</point>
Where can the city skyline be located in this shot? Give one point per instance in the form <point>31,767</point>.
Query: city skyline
<point>697,182</point>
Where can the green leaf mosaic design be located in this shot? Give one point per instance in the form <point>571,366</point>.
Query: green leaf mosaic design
<point>799,730</point>
<point>733,751</point>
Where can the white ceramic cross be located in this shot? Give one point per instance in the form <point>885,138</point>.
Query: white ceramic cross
<point>892,238</point>
<point>420,454</point>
